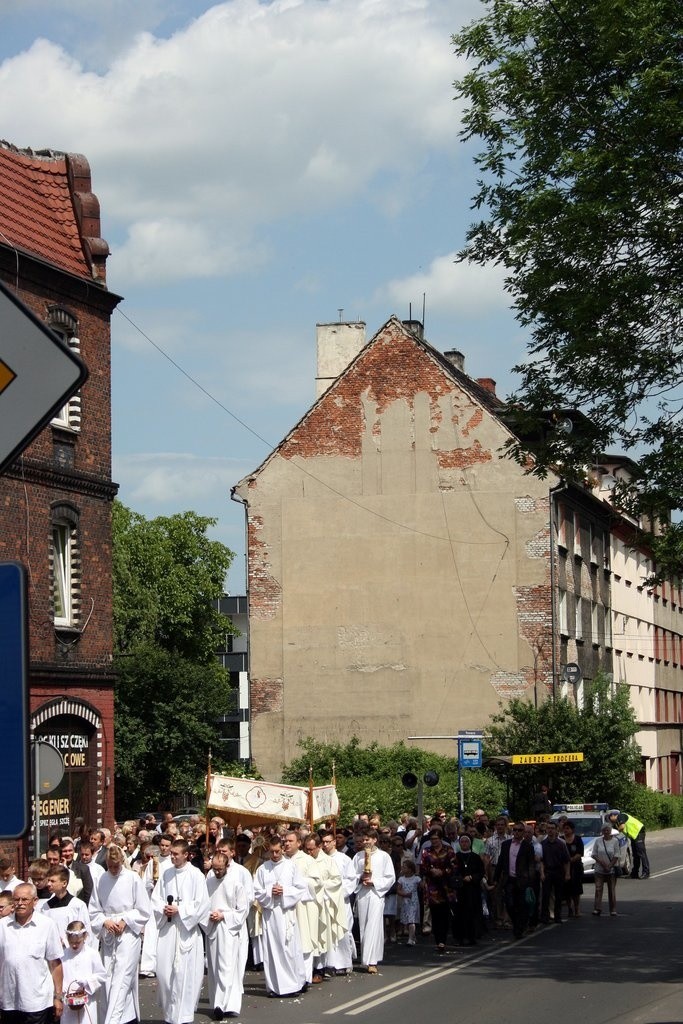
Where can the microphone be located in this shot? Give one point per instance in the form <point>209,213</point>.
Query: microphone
<point>169,900</point>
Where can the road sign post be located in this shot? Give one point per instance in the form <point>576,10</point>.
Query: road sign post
<point>14,766</point>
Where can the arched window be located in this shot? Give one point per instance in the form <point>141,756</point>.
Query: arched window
<point>65,566</point>
<point>65,324</point>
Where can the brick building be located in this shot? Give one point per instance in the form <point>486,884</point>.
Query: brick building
<point>404,576</point>
<point>55,499</point>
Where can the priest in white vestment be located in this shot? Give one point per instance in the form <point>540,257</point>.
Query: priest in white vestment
<point>229,847</point>
<point>375,876</point>
<point>308,926</point>
<point>278,888</point>
<point>181,907</point>
<point>229,903</point>
<point>119,908</point>
<point>325,884</point>
<point>340,957</point>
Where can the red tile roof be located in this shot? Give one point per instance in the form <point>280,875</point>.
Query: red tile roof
<point>45,199</point>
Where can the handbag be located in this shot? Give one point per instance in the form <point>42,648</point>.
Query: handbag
<point>530,897</point>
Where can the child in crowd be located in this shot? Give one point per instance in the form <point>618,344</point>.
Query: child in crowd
<point>408,885</point>
<point>6,903</point>
<point>83,975</point>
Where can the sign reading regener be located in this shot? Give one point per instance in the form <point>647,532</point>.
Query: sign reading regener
<point>546,758</point>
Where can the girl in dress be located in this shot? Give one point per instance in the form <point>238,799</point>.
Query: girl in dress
<point>408,885</point>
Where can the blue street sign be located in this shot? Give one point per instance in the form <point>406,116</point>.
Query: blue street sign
<point>469,752</point>
<point>14,760</point>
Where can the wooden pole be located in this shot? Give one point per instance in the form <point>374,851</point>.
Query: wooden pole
<point>208,793</point>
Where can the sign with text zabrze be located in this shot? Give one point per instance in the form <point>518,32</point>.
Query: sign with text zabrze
<point>547,758</point>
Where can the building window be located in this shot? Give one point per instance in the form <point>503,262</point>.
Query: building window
<point>595,622</point>
<point>577,535</point>
<point>578,617</point>
<point>564,627</point>
<point>65,326</point>
<point>65,567</point>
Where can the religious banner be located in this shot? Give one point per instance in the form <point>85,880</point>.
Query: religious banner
<point>325,803</point>
<point>250,801</point>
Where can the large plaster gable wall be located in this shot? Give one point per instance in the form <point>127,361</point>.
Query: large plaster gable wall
<point>398,565</point>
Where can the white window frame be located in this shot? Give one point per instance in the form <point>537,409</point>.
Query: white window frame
<point>69,416</point>
<point>62,575</point>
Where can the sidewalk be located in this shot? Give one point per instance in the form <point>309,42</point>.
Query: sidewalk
<point>664,836</point>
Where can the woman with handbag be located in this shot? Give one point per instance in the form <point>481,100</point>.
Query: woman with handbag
<point>605,853</point>
<point>438,870</point>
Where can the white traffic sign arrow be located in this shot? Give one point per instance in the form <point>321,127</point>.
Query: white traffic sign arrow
<point>38,374</point>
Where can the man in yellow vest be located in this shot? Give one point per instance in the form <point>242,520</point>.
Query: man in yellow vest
<point>635,830</point>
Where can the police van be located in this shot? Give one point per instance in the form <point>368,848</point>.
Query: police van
<point>588,820</point>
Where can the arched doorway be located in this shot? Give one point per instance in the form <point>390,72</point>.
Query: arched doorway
<point>74,728</point>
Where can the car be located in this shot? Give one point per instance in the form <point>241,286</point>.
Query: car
<point>588,821</point>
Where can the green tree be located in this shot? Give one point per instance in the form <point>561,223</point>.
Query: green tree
<point>369,778</point>
<point>603,729</point>
<point>579,109</point>
<point>171,690</point>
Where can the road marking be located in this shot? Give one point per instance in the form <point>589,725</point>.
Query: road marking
<point>668,871</point>
<point>386,988</point>
<point>399,988</point>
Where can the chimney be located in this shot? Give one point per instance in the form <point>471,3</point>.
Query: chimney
<point>415,327</point>
<point>456,359</point>
<point>487,383</point>
<point>338,345</point>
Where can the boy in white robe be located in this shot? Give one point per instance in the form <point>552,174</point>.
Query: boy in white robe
<point>181,905</point>
<point>278,888</point>
<point>119,908</point>
<point>229,900</point>
<point>371,888</point>
<point>83,974</point>
<point>62,907</point>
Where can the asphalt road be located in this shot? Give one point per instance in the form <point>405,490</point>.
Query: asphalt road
<point>628,968</point>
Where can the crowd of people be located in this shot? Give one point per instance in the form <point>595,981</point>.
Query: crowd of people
<point>174,900</point>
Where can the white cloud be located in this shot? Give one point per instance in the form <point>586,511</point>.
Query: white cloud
<point>251,113</point>
<point>450,287</point>
<point>176,480</point>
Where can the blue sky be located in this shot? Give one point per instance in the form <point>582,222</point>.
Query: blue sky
<point>259,167</point>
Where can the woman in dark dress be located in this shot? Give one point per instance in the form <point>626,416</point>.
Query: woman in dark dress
<point>470,868</point>
<point>437,867</point>
<point>574,886</point>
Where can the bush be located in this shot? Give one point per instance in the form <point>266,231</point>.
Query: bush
<point>655,810</point>
<point>369,779</point>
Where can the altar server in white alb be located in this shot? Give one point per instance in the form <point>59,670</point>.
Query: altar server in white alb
<point>278,888</point>
<point>181,906</point>
<point>119,908</point>
<point>375,876</point>
<point>229,901</point>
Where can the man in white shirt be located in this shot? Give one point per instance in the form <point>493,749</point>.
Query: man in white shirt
<point>31,978</point>
<point>375,876</point>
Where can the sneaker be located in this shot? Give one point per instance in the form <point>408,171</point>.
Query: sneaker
<point>372,969</point>
<point>410,942</point>
<point>596,913</point>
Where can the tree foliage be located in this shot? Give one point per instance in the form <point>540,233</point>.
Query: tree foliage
<point>579,109</point>
<point>167,574</point>
<point>603,729</point>
<point>171,689</point>
<point>369,778</point>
